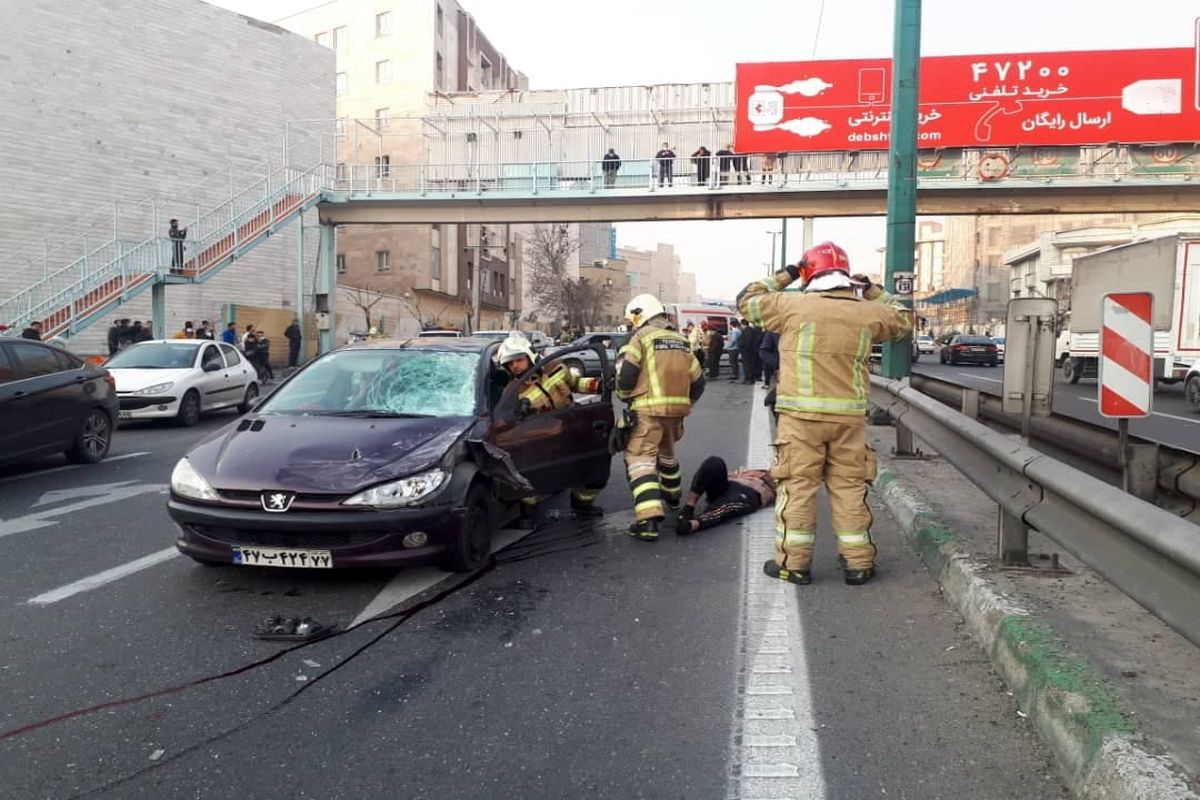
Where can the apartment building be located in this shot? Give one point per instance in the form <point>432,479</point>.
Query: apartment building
<point>391,56</point>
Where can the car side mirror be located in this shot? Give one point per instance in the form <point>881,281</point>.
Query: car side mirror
<point>211,366</point>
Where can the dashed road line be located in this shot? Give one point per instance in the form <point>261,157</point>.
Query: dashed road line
<point>102,578</point>
<point>65,467</point>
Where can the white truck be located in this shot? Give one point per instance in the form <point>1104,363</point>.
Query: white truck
<point>1166,265</point>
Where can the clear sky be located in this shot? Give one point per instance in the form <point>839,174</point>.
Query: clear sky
<point>560,43</point>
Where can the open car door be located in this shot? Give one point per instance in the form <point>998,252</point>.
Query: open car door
<point>559,449</point>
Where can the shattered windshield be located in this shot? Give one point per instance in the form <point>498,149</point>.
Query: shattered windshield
<point>383,383</point>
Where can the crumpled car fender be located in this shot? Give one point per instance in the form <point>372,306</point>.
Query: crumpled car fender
<point>496,464</point>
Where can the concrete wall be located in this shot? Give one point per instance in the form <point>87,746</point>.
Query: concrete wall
<point>136,97</point>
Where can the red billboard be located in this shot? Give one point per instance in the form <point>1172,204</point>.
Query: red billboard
<point>1007,100</point>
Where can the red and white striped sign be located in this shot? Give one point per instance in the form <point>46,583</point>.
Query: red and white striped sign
<point>1127,354</point>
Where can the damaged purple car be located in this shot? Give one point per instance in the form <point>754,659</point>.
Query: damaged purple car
<point>382,454</point>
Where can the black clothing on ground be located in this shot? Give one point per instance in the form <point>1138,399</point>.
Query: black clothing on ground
<point>724,499</point>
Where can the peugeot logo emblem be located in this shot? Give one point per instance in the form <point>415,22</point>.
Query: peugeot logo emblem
<point>277,502</point>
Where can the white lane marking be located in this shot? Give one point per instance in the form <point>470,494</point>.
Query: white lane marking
<point>775,750</point>
<point>1190,420</point>
<point>101,578</point>
<point>76,492</point>
<point>45,517</point>
<point>979,377</point>
<point>410,582</point>
<point>66,467</point>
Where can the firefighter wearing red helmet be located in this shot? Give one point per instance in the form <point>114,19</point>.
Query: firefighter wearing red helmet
<point>825,337</point>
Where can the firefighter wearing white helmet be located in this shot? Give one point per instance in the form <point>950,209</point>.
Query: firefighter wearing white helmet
<point>659,378</point>
<point>548,388</point>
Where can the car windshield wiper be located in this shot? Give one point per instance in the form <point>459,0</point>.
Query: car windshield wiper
<point>370,413</point>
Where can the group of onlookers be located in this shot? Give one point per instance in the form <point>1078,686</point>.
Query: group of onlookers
<point>731,166</point>
<point>753,353</point>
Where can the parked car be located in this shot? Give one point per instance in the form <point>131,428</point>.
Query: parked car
<point>926,346</point>
<point>586,360</point>
<point>966,349</point>
<point>440,334</point>
<point>51,401</point>
<point>999,342</point>
<point>182,379</point>
<point>379,454</point>
<point>537,339</point>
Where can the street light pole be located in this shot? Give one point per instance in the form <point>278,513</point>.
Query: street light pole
<point>773,234</point>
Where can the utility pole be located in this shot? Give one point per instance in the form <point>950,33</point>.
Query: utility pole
<point>773,234</point>
<point>476,274</point>
<point>783,259</point>
<point>902,173</point>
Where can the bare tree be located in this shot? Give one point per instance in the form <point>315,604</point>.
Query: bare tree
<point>364,299</point>
<point>554,291</point>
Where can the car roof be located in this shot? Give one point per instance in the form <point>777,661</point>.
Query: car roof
<point>458,344</point>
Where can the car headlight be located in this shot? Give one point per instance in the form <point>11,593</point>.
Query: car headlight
<point>157,388</point>
<point>186,482</point>
<point>404,492</point>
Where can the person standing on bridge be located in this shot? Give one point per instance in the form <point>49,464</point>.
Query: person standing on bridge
<point>659,378</point>
<point>610,164</point>
<point>702,158</point>
<point>825,336</point>
<point>665,161</point>
<point>177,235</point>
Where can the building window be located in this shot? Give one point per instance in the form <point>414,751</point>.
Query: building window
<point>383,166</point>
<point>439,77</point>
<point>383,260</point>
<point>339,38</point>
<point>339,126</point>
<point>383,23</point>
<point>485,281</point>
<point>383,71</point>
<point>340,83</point>
<point>485,72</point>
<point>322,38</point>
<point>381,117</point>
<point>341,263</point>
<point>340,171</point>
<point>438,20</point>
<point>435,253</point>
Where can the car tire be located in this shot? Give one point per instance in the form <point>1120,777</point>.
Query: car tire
<point>189,409</point>
<point>1191,390</point>
<point>473,546</point>
<point>249,400</point>
<point>93,439</point>
<point>1070,373</point>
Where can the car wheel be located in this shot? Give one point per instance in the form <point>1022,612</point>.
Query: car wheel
<point>473,546</point>
<point>248,401</point>
<point>93,439</point>
<point>189,409</point>
<point>1070,372</point>
<point>1191,390</point>
<point>952,362</point>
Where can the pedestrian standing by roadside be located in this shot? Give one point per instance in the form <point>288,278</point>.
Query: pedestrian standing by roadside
<point>716,348</point>
<point>610,164</point>
<point>262,354</point>
<point>205,331</point>
<point>664,159</point>
<point>33,331</point>
<point>113,339</point>
<point>768,356</point>
<point>292,334</point>
<point>187,332</point>
<point>250,350</point>
<point>660,380</point>
<point>732,347</point>
<point>229,335</point>
<point>176,235</point>
<point>248,334</point>
<point>748,344</point>
<point>140,332</point>
<point>826,332</point>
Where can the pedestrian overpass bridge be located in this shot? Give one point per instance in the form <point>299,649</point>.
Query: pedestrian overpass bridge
<point>998,181</point>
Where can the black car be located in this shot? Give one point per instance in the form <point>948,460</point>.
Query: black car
<point>52,402</point>
<point>965,349</point>
<point>381,454</point>
<point>586,360</point>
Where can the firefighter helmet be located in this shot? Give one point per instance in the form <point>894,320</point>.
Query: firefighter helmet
<point>514,347</point>
<point>824,258</point>
<point>642,309</point>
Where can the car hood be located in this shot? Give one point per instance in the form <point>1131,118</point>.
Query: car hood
<point>322,454</point>
<point>132,380</point>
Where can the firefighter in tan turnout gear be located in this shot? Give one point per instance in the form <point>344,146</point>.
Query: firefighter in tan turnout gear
<point>825,337</point>
<point>550,388</point>
<point>659,377</point>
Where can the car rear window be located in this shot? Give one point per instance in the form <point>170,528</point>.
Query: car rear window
<point>6,369</point>
<point>974,340</point>
<point>420,382</point>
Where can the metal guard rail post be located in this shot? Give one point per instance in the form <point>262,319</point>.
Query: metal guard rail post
<point>1149,554</point>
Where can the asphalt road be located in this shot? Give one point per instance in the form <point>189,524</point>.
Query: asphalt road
<point>1172,422</point>
<point>583,664</point>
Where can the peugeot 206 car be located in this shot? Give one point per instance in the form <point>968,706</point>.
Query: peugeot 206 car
<point>181,379</point>
<point>382,453</point>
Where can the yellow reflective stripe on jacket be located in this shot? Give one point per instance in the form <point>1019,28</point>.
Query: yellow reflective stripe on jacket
<point>646,400</point>
<point>631,353</point>
<point>821,405</point>
<point>860,365</point>
<point>804,358</point>
<point>754,310</point>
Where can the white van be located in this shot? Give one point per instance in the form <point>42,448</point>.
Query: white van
<point>715,315</point>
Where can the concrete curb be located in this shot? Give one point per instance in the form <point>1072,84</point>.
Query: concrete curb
<point>1095,745</point>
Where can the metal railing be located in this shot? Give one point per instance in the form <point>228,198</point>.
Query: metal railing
<point>1149,554</point>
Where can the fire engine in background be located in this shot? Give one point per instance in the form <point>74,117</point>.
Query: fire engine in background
<point>1168,266</point>
<point>717,316</point>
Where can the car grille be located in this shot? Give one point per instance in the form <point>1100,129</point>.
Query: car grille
<point>241,496</point>
<point>288,539</point>
<point>135,403</point>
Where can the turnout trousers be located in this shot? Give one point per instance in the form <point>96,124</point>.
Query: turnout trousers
<point>654,473</point>
<point>807,454</point>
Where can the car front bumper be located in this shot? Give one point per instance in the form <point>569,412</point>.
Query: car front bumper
<point>353,538</point>
<point>147,406</point>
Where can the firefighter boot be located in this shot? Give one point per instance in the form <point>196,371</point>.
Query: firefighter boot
<point>855,577</point>
<point>585,508</point>
<point>646,530</point>
<point>800,577</point>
